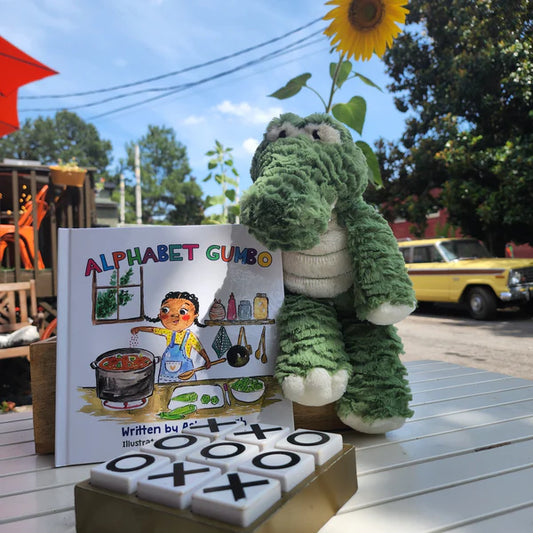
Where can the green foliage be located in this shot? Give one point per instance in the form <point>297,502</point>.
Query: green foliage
<point>292,87</point>
<point>464,71</point>
<point>106,301</point>
<point>64,136</point>
<point>226,175</point>
<point>351,113</point>
<point>169,194</point>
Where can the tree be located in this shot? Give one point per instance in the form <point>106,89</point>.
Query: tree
<point>169,194</point>
<point>60,137</point>
<point>463,70</point>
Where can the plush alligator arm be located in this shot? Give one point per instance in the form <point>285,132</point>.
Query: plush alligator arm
<point>383,291</point>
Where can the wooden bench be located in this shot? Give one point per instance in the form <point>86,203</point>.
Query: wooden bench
<point>18,309</point>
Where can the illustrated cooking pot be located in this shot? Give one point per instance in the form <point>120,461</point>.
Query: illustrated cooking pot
<point>125,375</point>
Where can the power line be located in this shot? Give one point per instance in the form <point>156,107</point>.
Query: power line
<point>296,45</point>
<point>175,73</point>
<point>185,86</point>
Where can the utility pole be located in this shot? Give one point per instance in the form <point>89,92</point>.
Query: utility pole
<point>138,199</point>
<point>237,198</point>
<point>122,201</point>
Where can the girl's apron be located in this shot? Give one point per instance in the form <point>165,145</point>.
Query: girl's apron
<point>175,360</point>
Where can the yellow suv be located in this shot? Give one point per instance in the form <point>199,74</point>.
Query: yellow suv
<point>462,271</point>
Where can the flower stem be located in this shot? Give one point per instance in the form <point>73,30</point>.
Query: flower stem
<point>318,94</point>
<point>334,82</point>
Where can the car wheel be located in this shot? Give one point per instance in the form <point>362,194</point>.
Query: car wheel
<point>481,303</point>
<point>527,308</point>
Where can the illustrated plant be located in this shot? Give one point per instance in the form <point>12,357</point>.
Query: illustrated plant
<point>106,301</point>
<point>358,29</point>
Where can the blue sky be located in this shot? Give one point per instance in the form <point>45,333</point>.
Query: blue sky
<point>98,44</point>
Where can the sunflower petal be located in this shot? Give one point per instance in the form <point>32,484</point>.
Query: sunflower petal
<point>361,40</point>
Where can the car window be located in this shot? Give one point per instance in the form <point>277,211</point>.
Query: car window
<point>464,249</point>
<point>426,254</point>
<point>406,252</point>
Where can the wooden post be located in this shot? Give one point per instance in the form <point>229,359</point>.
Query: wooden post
<point>43,389</point>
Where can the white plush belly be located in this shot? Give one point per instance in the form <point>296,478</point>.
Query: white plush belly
<point>323,271</point>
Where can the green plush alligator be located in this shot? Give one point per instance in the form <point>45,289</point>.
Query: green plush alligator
<point>345,279</point>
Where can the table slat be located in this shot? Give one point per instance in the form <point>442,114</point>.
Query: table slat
<point>13,424</point>
<point>30,463</point>
<point>30,504</point>
<point>406,481</point>
<point>515,521</point>
<point>376,458</point>
<point>425,385</point>
<point>439,509</point>
<point>64,522</point>
<point>470,389</point>
<point>20,449</point>
<point>24,435</point>
<point>41,479</point>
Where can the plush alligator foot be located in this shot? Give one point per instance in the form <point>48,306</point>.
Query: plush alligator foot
<point>318,387</point>
<point>387,314</point>
<point>377,426</point>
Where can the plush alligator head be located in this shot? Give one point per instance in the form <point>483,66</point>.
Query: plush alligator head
<point>303,168</point>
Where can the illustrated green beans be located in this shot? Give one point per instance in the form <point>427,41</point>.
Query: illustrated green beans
<point>178,413</point>
<point>186,397</point>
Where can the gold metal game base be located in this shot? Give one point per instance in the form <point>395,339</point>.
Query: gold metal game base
<point>305,509</point>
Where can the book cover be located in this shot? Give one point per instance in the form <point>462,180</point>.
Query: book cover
<point>160,327</point>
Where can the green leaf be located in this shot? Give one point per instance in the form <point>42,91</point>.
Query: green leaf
<point>231,195</point>
<point>292,87</point>
<point>208,177</point>
<point>231,181</point>
<point>210,153</point>
<point>212,164</point>
<point>343,74</point>
<point>374,174</point>
<point>368,81</point>
<point>352,114</point>
<point>234,210</point>
<point>210,201</point>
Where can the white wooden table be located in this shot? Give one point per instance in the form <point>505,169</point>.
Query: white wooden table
<point>463,463</point>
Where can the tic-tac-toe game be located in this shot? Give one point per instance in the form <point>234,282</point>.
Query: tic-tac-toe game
<point>221,476</point>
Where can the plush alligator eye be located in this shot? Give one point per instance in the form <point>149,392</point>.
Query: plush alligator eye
<point>325,133</point>
<point>282,131</point>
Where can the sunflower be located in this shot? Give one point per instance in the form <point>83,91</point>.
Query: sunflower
<point>361,27</point>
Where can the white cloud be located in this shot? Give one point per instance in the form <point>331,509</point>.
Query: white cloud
<point>192,120</point>
<point>251,114</point>
<point>250,145</point>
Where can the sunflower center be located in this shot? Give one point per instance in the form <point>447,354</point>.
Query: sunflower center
<point>365,15</point>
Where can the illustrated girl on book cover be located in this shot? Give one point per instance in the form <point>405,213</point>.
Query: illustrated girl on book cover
<point>178,312</point>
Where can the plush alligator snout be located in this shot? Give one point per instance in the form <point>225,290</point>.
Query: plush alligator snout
<point>287,207</point>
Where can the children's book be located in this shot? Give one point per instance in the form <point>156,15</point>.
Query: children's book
<point>161,328</point>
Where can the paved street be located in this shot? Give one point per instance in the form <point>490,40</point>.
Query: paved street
<point>503,345</point>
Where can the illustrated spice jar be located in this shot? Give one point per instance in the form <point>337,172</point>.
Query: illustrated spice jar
<point>260,306</point>
<point>245,310</point>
